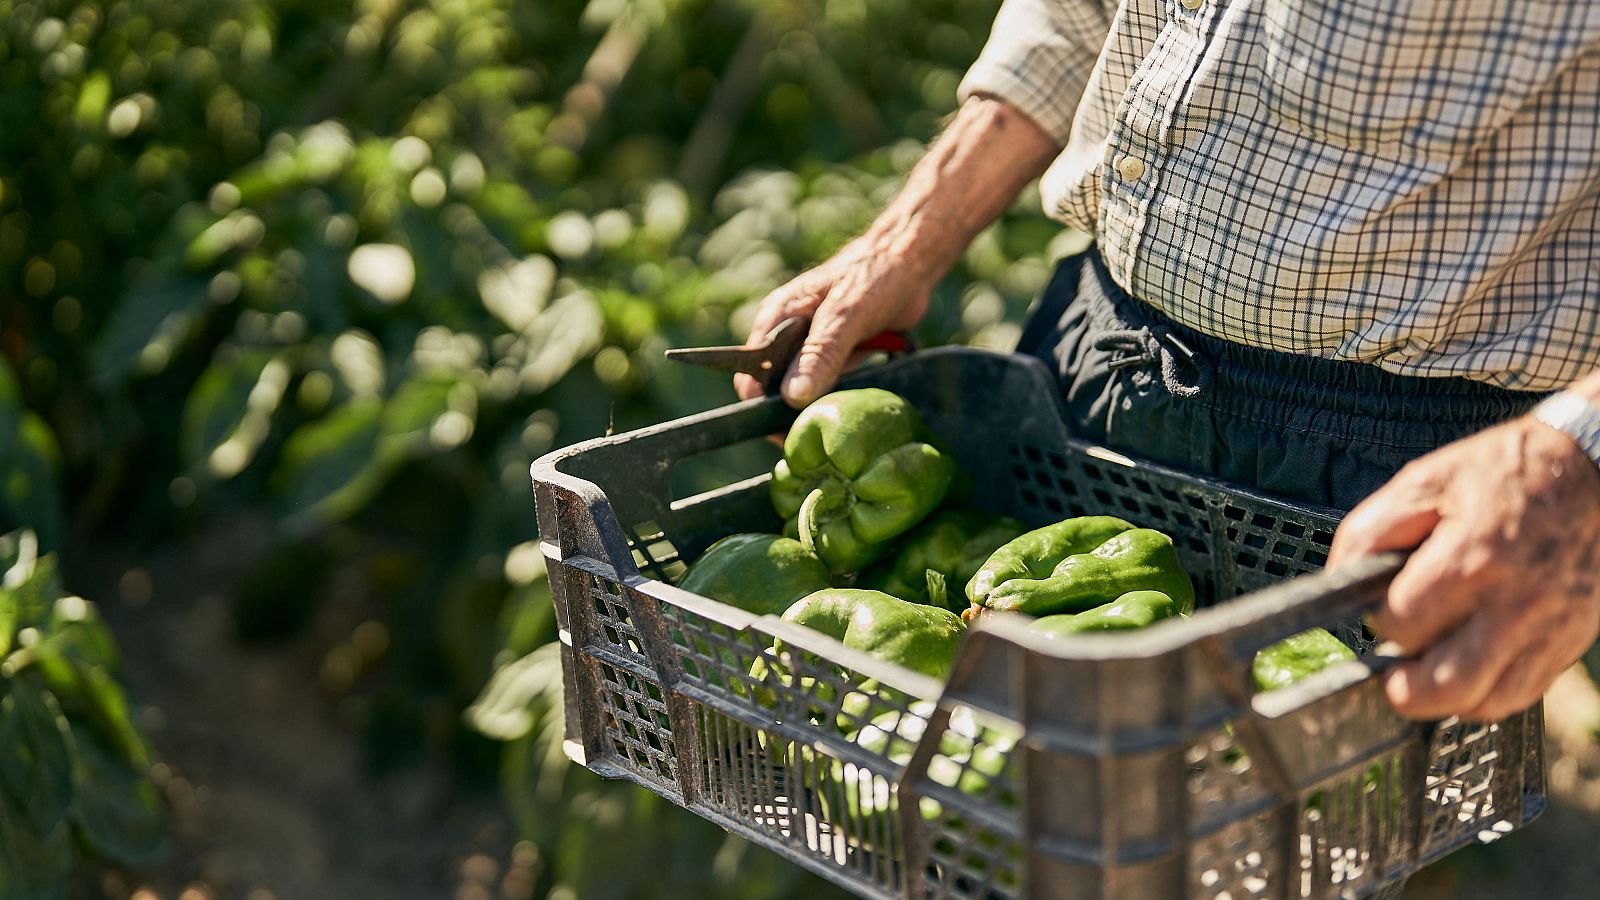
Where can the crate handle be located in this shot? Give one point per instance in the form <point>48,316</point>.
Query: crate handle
<point>1366,581</point>
<point>1246,625</point>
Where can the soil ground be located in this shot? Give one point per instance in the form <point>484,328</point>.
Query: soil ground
<point>270,794</point>
<point>272,799</point>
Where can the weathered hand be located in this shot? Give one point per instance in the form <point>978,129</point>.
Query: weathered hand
<point>869,286</point>
<point>1502,592</point>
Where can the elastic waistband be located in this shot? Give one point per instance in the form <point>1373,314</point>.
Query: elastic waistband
<point>1268,384</point>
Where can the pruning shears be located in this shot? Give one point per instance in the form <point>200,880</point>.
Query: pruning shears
<point>768,359</point>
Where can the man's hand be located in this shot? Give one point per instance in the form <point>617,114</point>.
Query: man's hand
<point>873,284</point>
<point>1502,592</point>
<point>882,279</point>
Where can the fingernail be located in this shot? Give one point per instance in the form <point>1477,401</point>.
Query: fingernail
<point>799,389</point>
<point>1398,688</point>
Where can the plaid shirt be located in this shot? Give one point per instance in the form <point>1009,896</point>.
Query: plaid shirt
<point>1410,183</point>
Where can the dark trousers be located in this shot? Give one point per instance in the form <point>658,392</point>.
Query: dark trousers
<point>1314,430</point>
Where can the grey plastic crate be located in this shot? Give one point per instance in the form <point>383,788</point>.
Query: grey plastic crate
<point>1132,765</point>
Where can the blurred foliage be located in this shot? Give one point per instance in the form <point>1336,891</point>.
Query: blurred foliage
<point>74,771</point>
<point>358,262</point>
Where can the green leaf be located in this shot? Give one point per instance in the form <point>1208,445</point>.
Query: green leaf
<point>112,704</point>
<point>116,809</point>
<point>75,626</point>
<point>28,586</point>
<point>93,98</point>
<point>334,466</point>
<point>238,230</point>
<point>229,412</point>
<point>566,332</point>
<point>32,866</point>
<point>504,711</point>
<point>90,695</point>
<point>10,391</point>
<point>527,619</point>
<point>10,611</point>
<point>417,404</point>
<point>11,599</point>
<point>145,330</point>
<point>30,495</point>
<point>35,765</point>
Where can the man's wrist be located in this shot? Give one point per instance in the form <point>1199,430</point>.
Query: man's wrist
<point>1572,413</point>
<point>914,233</point>
<point>1588,388</point>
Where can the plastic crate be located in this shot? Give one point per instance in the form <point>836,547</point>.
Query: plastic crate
<point>1133,765</point>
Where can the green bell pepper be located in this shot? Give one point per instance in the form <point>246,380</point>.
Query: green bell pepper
<point>1076,565</point>
<point>1135,609</point>
<point>922,638</point>
<point>761,573</point>
<point>858,470</point>
<point>953,544</point>
<point>1297,657</point>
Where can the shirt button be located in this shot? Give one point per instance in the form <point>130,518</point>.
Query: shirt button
<point>1191,4</point>
<point>1131,168</point>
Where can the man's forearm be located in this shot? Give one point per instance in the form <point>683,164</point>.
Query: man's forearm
<point>1588,386</point>
<point>970,175</point>
<point>882,280</point>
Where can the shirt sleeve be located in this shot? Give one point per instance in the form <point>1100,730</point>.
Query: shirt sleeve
<point>1039,56</point>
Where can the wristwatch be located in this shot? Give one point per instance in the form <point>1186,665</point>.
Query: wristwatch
<point>1573,415</point>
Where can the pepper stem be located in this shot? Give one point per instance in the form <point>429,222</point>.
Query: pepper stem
<point>807,523</point>
<point>938,594</point>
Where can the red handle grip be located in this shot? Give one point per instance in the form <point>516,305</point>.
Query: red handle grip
<point>886,341</point>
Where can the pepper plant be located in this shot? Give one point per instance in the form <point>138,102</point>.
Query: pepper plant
<point>352,265</point>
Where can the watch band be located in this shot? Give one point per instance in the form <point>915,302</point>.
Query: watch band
<point>1573,415</point>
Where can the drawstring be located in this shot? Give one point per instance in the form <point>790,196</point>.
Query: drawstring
<point>1141,346</point>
